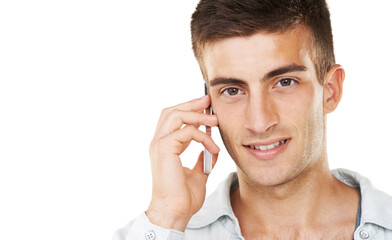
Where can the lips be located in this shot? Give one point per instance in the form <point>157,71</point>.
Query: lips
<point>268,150</point>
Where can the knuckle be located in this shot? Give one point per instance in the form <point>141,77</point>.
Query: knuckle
<point>171,113</point>
<point>157,144</point>
<point>164,111</point>
<point>175,117</point>
<point>190,128</point>
<point>174,113</point>
<point>153,145</point>
<point>195,132</point>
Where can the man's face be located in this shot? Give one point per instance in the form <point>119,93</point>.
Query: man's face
<point>269,104</point>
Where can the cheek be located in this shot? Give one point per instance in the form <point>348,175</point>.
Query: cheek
<point>297,107</point>
<point>230,116</point>
<point>230,120</point>
<point>310,119</point>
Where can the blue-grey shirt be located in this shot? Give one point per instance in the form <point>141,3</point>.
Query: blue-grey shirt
<point>216,219</point>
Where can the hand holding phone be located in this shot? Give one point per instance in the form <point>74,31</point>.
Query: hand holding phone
<point>179,192</point>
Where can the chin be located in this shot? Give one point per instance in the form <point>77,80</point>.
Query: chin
<point>268,176</point>
<point>272,177</point>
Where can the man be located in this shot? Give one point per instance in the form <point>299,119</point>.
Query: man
<point>272,78</point>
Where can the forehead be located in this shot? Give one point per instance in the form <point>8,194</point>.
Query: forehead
<point>257,54</point>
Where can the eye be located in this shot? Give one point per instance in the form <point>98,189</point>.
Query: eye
<point>285,82</point>
<point>232,91</point>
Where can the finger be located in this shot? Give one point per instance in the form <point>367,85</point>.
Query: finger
<point>195,105</point>
<point>199,164</point>
<point>185,135</point>
<point>214,159</point>
<point>177,118</point>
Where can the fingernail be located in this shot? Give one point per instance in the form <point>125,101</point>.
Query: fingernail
<point>204,97</point>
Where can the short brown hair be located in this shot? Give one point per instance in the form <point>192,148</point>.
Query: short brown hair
<point>215,20</point>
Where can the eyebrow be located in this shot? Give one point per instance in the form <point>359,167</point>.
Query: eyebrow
<point>276,72</point>
<point>285,69</point>
<point>223,80</point>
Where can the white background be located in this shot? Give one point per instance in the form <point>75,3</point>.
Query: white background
<point>82,84</point>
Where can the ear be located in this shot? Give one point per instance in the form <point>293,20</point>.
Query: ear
<point>333,88</point>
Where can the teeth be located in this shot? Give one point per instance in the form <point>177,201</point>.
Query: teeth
<point>268,147</point>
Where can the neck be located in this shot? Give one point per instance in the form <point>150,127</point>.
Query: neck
<point>305,202</point>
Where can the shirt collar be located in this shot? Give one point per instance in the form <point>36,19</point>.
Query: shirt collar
<point>376,205</point>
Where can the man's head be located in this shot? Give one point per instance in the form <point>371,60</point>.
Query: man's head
<point>265,85</point>
<point>215,20</point>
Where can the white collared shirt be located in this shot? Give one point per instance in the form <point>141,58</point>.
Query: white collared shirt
<point>216,219</point>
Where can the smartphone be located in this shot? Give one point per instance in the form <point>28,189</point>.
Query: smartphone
<point>207,163</point>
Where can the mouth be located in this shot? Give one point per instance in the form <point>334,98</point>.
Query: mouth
<point>268,151</point>
<point>269,146</point>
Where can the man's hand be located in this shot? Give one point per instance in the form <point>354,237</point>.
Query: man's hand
<point>179,192</point>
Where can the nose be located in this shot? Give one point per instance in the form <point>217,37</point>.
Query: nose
<point>262,114</point>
